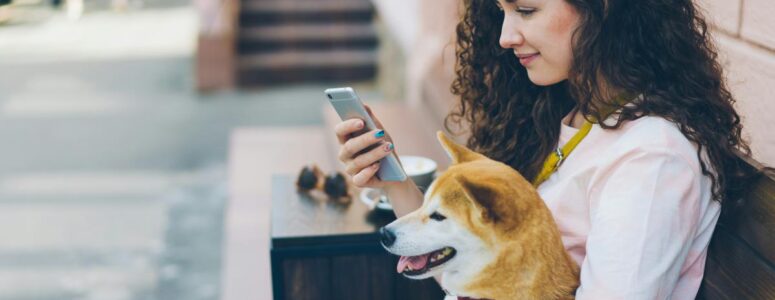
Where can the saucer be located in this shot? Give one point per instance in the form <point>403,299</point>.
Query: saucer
<point>373,198</point>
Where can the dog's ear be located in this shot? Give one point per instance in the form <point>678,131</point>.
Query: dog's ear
<point>483,195</point>
<point>457,152</point>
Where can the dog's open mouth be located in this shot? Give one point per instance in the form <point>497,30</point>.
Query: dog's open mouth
<point>418,265</point>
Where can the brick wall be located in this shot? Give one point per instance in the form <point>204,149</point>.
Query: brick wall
<point>745,35</point>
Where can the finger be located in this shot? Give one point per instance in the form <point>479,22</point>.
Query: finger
<point>377,122</point>
<point>356,144</point>
<point>347,127</point>
<point>366,175</point>
<point>370,157</point>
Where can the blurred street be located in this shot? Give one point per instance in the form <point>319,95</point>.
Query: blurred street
<point>112,169</point>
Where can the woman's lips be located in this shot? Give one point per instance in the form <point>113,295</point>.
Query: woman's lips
<point>525,59</point>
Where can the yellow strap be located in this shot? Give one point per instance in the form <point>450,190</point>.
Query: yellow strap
<point>556,158</point>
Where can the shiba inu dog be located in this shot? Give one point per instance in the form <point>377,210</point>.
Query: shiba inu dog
<point>484,229</point>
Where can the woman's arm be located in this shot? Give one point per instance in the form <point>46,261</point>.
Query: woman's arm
<point>405,197</point>
<point>644,213</point>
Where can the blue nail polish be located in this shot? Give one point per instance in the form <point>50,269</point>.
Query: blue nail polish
<point>379,134</point>
<point>390,147</point>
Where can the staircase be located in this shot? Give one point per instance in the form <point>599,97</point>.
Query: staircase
<point>292,41</point>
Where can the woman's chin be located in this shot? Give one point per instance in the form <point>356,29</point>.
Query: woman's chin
<point>543,79</point>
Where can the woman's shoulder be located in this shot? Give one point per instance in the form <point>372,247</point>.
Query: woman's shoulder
<point>650,134</point>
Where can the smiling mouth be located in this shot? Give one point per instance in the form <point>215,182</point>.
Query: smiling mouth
<point>421,264</point>
<point>526,58</point>
<point>525,55</point>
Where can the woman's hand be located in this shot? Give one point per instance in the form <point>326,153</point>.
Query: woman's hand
<point>362,150</point>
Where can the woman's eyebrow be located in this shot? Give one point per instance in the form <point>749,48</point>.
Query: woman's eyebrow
<point>507,1</point>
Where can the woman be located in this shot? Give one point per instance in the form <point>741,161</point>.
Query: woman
<point>632,94</point>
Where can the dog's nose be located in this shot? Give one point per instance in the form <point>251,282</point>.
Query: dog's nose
<point>387,237</point>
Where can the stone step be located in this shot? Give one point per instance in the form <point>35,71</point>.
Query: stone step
<point>300,66</point>
<point>293,41</point>
<point>306,6</point>
<point>328,75</point>
<point>257,12</point>
<point>307,37</point>
<point>308,59</point>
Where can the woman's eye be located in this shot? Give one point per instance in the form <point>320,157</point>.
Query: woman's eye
<point>525,11</point>
<point>437,216</point>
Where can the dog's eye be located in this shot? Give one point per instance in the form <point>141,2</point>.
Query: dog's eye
<point>437,216</point>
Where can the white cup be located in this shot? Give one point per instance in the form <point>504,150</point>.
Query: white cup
<point>420,169</point>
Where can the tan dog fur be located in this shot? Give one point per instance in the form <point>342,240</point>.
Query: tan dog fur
<point>523,254</point>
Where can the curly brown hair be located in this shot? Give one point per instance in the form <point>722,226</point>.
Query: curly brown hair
<point>658,48</point>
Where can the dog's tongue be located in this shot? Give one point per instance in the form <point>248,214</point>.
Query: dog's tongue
<point>416,262</point>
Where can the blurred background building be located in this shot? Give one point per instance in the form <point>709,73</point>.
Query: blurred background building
<point>120,119</point>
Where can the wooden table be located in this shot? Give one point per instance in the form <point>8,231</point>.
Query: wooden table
<point>322,250</point>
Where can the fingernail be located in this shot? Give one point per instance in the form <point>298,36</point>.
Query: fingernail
<point>389,147</point>
<point>359,124</point>
<point>379,134</point>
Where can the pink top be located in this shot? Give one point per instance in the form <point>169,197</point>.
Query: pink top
<point>634,211</point>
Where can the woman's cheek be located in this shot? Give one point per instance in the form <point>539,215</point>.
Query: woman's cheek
<point>563,22</point>
<point>560,28</point>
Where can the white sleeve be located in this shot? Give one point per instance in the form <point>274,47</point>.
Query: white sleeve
<point>644,212</point>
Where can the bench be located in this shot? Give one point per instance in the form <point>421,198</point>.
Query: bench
<point>741,255</point>
<point>255,155</point>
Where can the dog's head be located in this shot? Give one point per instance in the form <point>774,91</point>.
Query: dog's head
<point>467,213</point>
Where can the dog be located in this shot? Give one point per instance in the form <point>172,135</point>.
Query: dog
<point>485,230</point>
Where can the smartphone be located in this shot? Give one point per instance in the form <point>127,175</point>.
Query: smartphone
<point>349,106</point>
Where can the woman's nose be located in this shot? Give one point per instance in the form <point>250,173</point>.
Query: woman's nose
<point>511,37</point>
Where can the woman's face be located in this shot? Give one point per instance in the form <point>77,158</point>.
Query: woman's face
<point>539,32</point>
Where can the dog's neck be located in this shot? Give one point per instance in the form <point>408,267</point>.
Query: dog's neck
<point>514,272</point>
<point>464,297</point>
